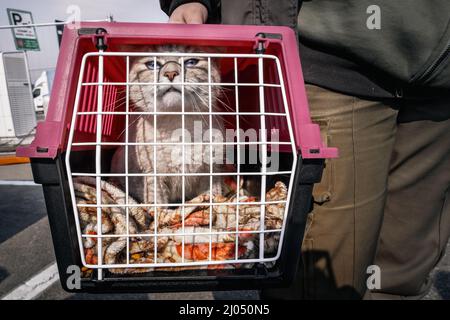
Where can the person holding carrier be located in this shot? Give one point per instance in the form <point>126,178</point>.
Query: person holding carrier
<point>378,84</point>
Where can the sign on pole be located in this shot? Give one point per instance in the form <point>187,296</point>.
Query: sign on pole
<point>24,37</point>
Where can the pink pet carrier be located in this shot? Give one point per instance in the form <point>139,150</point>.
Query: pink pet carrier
<point>122,243</point>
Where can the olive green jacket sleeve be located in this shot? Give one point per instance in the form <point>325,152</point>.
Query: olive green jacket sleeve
<point>411,42</point>
<point>411,45</point>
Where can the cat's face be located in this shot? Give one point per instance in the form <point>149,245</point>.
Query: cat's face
<point>168,73</point>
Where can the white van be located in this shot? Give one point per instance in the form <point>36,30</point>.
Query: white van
<point>41,91</point>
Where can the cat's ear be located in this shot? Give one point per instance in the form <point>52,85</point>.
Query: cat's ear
<point>129,48</point>
<point>136,48</point>
<point>217,62</point>
<point>220,49</point>
<point>213,50</point>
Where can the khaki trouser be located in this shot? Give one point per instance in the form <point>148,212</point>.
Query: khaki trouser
<point>344,227</point>
<point>416,224</point>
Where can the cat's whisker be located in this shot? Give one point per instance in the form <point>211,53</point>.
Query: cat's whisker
<point>123,102</point>
<point>215,118</point>
<point>223,93</point>
<point>197,108</point>
<point>223,103</point>
<point>129,126</point>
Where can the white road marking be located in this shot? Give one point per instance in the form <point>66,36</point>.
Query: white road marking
<point>17,183</point>
<point>33,287</point>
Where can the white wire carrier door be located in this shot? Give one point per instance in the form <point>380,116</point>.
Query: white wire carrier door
<point>184,233</point>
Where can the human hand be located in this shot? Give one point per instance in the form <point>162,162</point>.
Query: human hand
<point>191,13</point>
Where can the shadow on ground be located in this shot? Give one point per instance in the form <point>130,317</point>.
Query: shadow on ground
<point>442,284</point>
<point>24,206</point>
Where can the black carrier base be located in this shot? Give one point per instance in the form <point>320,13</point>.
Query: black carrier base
<point>52,175</point>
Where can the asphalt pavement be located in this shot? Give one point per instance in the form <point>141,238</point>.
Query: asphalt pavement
<point>26,248</point>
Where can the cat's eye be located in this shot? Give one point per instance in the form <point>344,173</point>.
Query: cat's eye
<point>191,63</point>
<point>151,65</point>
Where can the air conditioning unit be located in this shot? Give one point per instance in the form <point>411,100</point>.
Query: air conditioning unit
<point>17,116</point>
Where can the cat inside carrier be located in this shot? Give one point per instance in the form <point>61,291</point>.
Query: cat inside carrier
<point>178,157</point>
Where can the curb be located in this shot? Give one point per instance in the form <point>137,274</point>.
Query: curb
<point>11,159</point>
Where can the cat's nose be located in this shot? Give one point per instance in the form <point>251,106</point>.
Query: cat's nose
<point>171,75</point>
